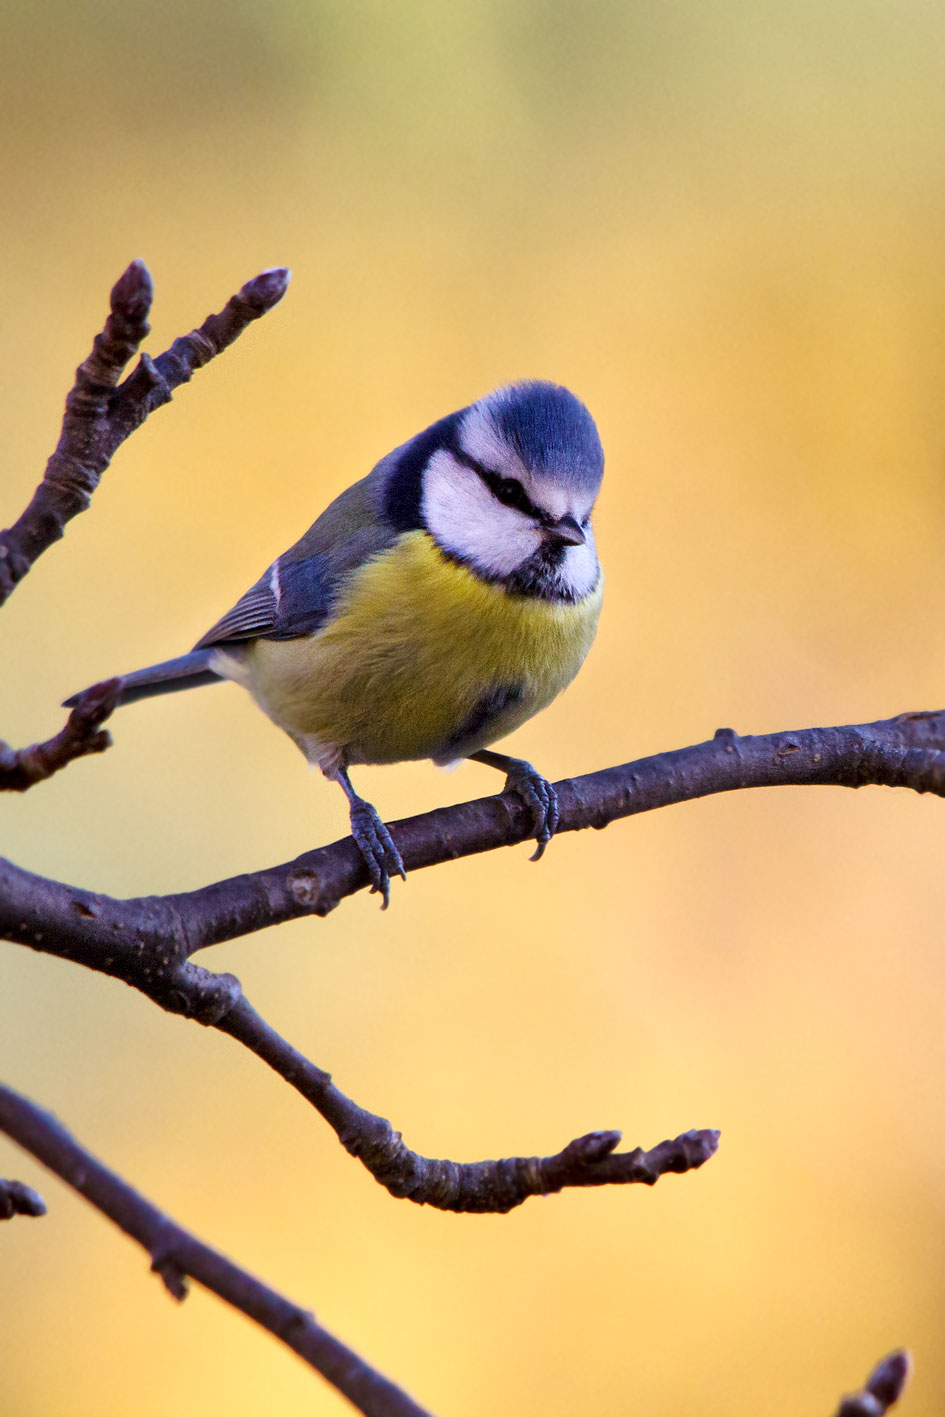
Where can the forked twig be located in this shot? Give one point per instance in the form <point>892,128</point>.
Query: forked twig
<point>22,768</point>
<point>101,413</point>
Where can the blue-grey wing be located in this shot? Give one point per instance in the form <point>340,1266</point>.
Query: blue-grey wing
<point>289,600</point>
<point>294,596</point>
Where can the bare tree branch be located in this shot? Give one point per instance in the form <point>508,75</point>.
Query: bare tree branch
<point>883,1387</point>
<point>177,1255</point>
<point>100,414</point>
<point>148,942</point>
<point>22,768</point>
<point>17,1199</point>
<point>145,940</point>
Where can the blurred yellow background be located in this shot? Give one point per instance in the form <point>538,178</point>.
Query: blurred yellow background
<point>722,225</point>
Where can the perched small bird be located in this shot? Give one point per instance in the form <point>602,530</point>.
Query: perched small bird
<point>431,609</point>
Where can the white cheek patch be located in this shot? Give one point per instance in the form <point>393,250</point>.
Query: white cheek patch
<point>464,517</point>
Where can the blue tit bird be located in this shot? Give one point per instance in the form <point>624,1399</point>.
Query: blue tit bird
<point>432,608</point>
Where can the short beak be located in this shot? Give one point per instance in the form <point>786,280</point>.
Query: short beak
<point>566,532</point>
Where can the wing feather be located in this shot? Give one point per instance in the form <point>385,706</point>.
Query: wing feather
<point>253,614</point>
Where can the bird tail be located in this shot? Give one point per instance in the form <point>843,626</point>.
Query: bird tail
<point>185,672</point>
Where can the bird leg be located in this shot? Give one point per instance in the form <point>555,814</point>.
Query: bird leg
<point>372,839</point>
<point>535,791</point>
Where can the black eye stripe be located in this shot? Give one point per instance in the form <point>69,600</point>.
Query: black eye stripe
<point>507,490</point>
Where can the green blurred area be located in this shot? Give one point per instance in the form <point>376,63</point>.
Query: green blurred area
<point>723,226</point>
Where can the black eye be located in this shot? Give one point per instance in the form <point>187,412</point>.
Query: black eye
<point>507,490</point>
<point>511,494</point>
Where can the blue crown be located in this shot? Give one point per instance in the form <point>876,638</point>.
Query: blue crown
<point>550,429</point>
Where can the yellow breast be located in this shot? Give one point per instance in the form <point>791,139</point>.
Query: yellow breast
<point>414,644</point>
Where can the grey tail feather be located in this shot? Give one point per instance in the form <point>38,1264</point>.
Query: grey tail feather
<point>185,672</point>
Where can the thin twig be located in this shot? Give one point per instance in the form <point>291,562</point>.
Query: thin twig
<point>177,1255</point>
<point>882,1388</point>
<point>100,414</point>
<point>483,1187</point>
<point>17,1199</point>
<point>22,768</point>
<point>160,970</point>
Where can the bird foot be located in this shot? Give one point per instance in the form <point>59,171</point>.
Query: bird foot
<point>538,794</point>
<point>377,848</point>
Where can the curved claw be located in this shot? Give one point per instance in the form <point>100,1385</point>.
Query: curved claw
<point>377,849</point>
<point>538,794</point>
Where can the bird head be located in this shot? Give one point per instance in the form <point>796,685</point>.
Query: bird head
<point>508,486</point>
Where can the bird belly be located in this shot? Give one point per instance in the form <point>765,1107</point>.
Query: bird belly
<point>419,659</point>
